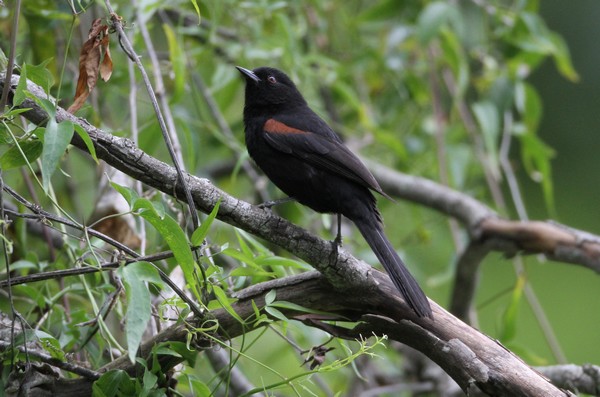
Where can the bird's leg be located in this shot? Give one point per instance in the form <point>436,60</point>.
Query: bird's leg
<point>271,203</point>
<point>338,238</point>
<point>337,242</point>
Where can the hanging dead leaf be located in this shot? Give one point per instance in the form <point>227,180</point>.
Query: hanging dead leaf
<point>94,60</point>
<point>106,67</point>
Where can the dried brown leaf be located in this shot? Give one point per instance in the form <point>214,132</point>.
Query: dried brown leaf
<point>95,49</point>
<point>106,67</point>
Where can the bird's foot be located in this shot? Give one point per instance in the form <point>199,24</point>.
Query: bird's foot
<point>338,238</point>
<point>337,241</point>
<point>272,203</point>
<point>336,244</point>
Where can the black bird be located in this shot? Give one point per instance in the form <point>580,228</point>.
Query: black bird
<point>308,161</point>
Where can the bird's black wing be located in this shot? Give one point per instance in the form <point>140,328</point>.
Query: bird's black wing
<point>323,150</point>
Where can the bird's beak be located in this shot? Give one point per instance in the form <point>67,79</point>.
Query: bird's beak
<point>248,74</point>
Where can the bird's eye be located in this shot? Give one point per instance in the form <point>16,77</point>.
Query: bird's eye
<point>271,79</point>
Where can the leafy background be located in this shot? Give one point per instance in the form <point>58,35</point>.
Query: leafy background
<point>368,67</point>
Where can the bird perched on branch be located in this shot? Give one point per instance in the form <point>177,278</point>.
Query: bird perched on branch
<point>308,161</point>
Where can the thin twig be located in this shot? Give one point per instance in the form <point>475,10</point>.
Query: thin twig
<point>478,145</point>
<point>77,271</point>
<point>507,168</point>
<point>44,214</point>
<point>55,362</point>
<point>15,314</point>
<point>236,380</point>
<point>517,198</point>
<point>128,48</point>
<point>316,378</point>
<point>159,84</point>
<point>440,144</point>
<point>134,137</point>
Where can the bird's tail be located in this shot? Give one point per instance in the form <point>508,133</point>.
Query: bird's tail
<point>373,233</point>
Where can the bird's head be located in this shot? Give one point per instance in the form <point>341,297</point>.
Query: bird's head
<point>269,87</point>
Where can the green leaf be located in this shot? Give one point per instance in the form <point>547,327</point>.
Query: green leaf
<point>166,351</point>
<point>562,58</point>
<point>270,297</point>
<point>296,307</point>
<point>173,235</point>
<point>276,313</point>
<point>242,271</point>
<point>34,293</point>
<point>529,105</point>
<point>21,87</point>
<point>110,383</point>
<point>14,157</point>
<point>199,388</point>
<point>135,276</point>
<point>255,309</point>
<point>502,93</point>
<point>532,35</point>
<point>509,320</point>
<point>527,354</point>
<point>85,137</point>
<point>177,349</point>
<point>433,18</point>
<point>12,113</point>
<point>56,139</point>
<point>242,238</point>
<point>257,245</point>
<point>454,55</point>
<point>269,260</point>
<point>148,382</point>
<point>241,256</point>
<point>22,264</point>
<point>3,60</point>
<point>51,345</point>
<point>200,233</point>
<point>460,162</point>
<point>536,157</point>
<point>177,63</point>
<point>128,193</point>
<point>195,4</point>
<point>40,75</point>
<point>489,122</point>
<point>223,299</point>
<point>44,103</point>
<point>348,95</point>
<point>383,10</point>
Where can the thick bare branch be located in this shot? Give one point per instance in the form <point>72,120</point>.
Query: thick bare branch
<point>475,361</point>
<point>580,378</point>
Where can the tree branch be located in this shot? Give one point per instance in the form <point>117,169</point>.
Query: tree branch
<point>471,358</point>
<point>489,232</point>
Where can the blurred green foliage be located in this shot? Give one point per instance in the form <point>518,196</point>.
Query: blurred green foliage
<point>430,88</point>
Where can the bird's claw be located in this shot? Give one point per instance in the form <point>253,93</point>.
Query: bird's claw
<point>336,245</point>
<point>337,241</point>
<point>267,205</point>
